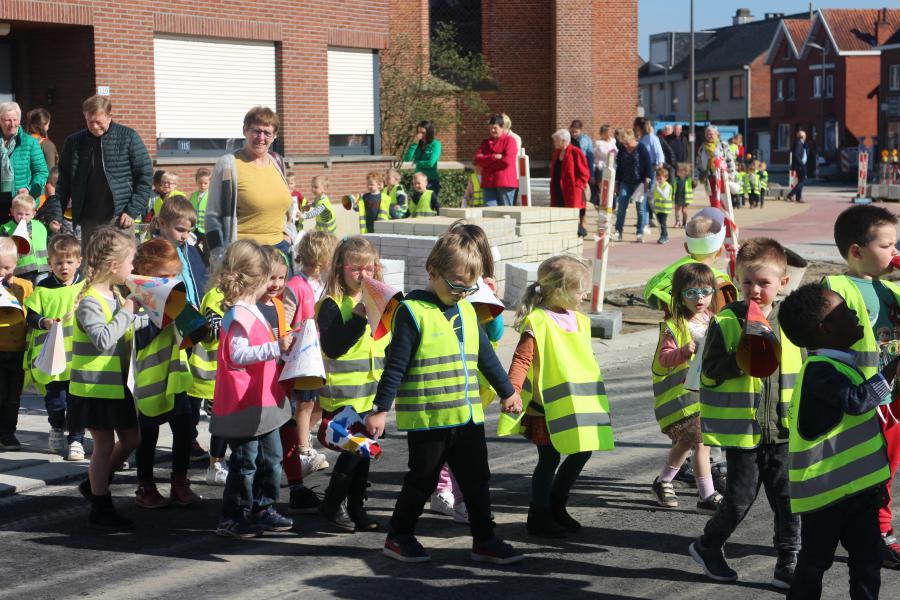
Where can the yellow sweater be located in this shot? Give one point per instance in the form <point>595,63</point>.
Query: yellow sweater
<point>263,199</point>
<point>12,320</point>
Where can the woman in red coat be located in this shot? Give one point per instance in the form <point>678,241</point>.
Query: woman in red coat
<point>569,175</point>
<point>497,159</point>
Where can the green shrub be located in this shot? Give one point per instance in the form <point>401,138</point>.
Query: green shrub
<point>453,185</point>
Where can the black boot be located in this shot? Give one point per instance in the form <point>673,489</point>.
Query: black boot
<point>562,516</point>
<point>104,516</point>
<point>332,506</point>
<point>541,523</point>
<point>356,505</point>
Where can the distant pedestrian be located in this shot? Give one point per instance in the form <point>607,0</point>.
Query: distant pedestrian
<point>425,152</point>
<point>800,159</point>
<point>22,165</point>
<point>38,126</point>
<point>633,170</point>
<point>569,175</point>
<point>497,159</point>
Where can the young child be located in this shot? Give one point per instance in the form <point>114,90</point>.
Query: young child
<point>704,236</point>
<point>168,184</point>
<point>162,379</point>
<point>399,206</point>
<point>50,212</point>
<point>753,183</point>
<point>684,193</point>
<point>54,300</point>
<point>838,464</point>
<point>104,325</point>
<point>354,361</point>
<point>662,202</point>
<point>763,183</point>
<point>866,237</point>
<point>677,410</point>
<point>313,255</point>
<point>740,198</point>
<point>297,199</point>
<point>748,416</point>
<point>250,403</point>
<point>320,209</point>
<point>474,195</point>
<point>12,345</point>
<point>422,201</point>
<point>32,266</point>
<point>198,201</point>
<point>374,205</point>
<point>436,342</point>
<point>555,368</point>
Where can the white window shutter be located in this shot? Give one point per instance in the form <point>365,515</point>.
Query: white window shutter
<point>351,91</point>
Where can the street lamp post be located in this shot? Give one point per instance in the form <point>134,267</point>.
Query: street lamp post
<point>692,134</point>
<point>665,69</point>
<point>820,142</point>
<point>746,107</point>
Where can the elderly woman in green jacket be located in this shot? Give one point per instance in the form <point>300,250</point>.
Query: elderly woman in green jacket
<point>425,152</point>
<point>22,164</point>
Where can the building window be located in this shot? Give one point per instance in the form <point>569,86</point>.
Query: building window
<point>792,89</point>
<point>779,90</point>
<point>831,136</point>
<point>783,136</point>
<point>829,86</point>
<point>202,93</point>
<point>737,87</point>
<point>701,90</point>
<point>894,78</point>
<point>464,16</point>
<point>353,101</point>
<point>787,51</point>
<point>715,88</point>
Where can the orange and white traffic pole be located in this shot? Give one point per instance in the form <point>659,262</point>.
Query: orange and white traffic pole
<point>605,222</point>
<point>524,179</point>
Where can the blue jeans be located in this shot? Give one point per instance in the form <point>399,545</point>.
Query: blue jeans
<point>56,400</point>
<point>501,196</point>
<point>254,475</point>
<point>622,201</point>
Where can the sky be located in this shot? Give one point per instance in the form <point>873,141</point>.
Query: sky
<point>656,16</point>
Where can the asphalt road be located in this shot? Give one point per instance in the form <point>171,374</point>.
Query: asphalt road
<point>627,549</point>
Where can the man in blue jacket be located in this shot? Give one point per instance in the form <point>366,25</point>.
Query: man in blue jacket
<point>104,170</point>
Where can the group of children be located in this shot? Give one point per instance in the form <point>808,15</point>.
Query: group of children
<point>753,179</point>
<point>820,432</point>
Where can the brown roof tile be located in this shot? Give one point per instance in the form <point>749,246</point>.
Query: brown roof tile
<point>854,29</point>
<point>798,29</point>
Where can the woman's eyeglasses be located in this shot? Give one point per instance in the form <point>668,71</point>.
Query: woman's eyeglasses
<point>697,293</point>
<point>262,133</point>
<point>356,270</point>
<point>460,290</point>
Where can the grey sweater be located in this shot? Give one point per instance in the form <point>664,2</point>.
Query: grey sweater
<point>106,336</point>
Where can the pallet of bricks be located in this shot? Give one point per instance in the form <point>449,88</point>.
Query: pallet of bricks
<point>544,231</point>
<point>884,192</point>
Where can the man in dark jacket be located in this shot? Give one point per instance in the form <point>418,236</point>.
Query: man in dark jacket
<point>678,143</point>
<point>799,160</point>
<point>104,170</point>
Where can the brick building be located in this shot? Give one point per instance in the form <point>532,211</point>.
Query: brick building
<point>825,77</point>
<point>182,73</point>
<point>889,94</point>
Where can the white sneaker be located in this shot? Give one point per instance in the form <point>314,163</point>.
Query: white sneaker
<point>442,503</point>
<point>640,239</point>
<point>75,451</point>
<point>647,229</point>
<point>461,513</point>
<point>618,236</point>
<point>312,461</point>
<point>216,474</point>
<point>56,440</point>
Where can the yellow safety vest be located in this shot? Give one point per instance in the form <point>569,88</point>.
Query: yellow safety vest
<point>688,190</point>
<point>673,402</point>
<point>202,361</point>
<point>198,200</point>
<point>36,259</point>
<point>352,378</point>
<point>843,461</point>
<point>52,303</point>
<point>96,373</point>
<point>422,207</point>
<point>728,410</point>
<point>477,193</point>
<point>325,221</point>
<point>567,380</point>
<point>661,204</point>
<point>658,291</point>
<point>866,352</point>
<point>440,388</point>
<point>383,211</point>
<point>397,210</point>
<point>161,372</point>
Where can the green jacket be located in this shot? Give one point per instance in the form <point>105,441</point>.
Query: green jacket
<point>426,159</point>
<point>29,167</point>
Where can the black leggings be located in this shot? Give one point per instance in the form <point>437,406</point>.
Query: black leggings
<point>352,464</point>
<point>182,435</point>
<point>549,485</point>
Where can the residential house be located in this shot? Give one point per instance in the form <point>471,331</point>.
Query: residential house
<point>889,96</point>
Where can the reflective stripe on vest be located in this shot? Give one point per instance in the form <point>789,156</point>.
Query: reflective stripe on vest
<point>383,207</point>
<point>422,208</point>
<point>36,259</point>
<point>52,303</point>
<point>477,193</point>
<point>96,373</point>
<point>662,204</point>
<point>203,358</point>
<point>764,181</point>
<point>198,201</point>
<point>688,191</point>
<point>566,379</point>
<point>868,358</point>
<point>325,221</point>
<point>397,210</point>
<point>440,388</point>
<point>843,461</point>
<point>673,402</point>
<point>352,378</point>
<point>161,372</point>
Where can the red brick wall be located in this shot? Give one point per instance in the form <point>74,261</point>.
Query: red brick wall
<point>760,88</point>
<point>860,110</point>
<point>615,60</point>
<point>888,58</point>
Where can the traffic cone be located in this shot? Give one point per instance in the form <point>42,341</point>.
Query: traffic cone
<point>304,364</point>
<point>21,238</point>
<point>487,304</point>
<point>758,351</point>
<point>381,302</point>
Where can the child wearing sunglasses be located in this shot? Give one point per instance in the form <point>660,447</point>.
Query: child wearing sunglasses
<point>678,409</point>
<point>354,361</point>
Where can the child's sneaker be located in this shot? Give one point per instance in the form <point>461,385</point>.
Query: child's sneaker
<point>10,442</point>
<point>891,552</point>
<point>216,474</point>
<point>784,570</point>
<point>270,519</point>
<point>442,503</point>
<point>618,237</point>
<point>311,461</point>
<point>710,505</point>
<point>460,513</point>
<point>640,239</point>
<point>713,562</point>
<point>75,451</point>
<point>238,528</point>
<point>497,552</point>
<point>56,442</point>
<point>303,501</point>
<point>197,452</point>
<point>664,493</point>
<point>405,548</point>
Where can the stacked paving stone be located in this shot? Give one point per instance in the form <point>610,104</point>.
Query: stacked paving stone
<point>544,231</point>
<point>883,191</point>
<point>394,273</point>
<point>518,277</point>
